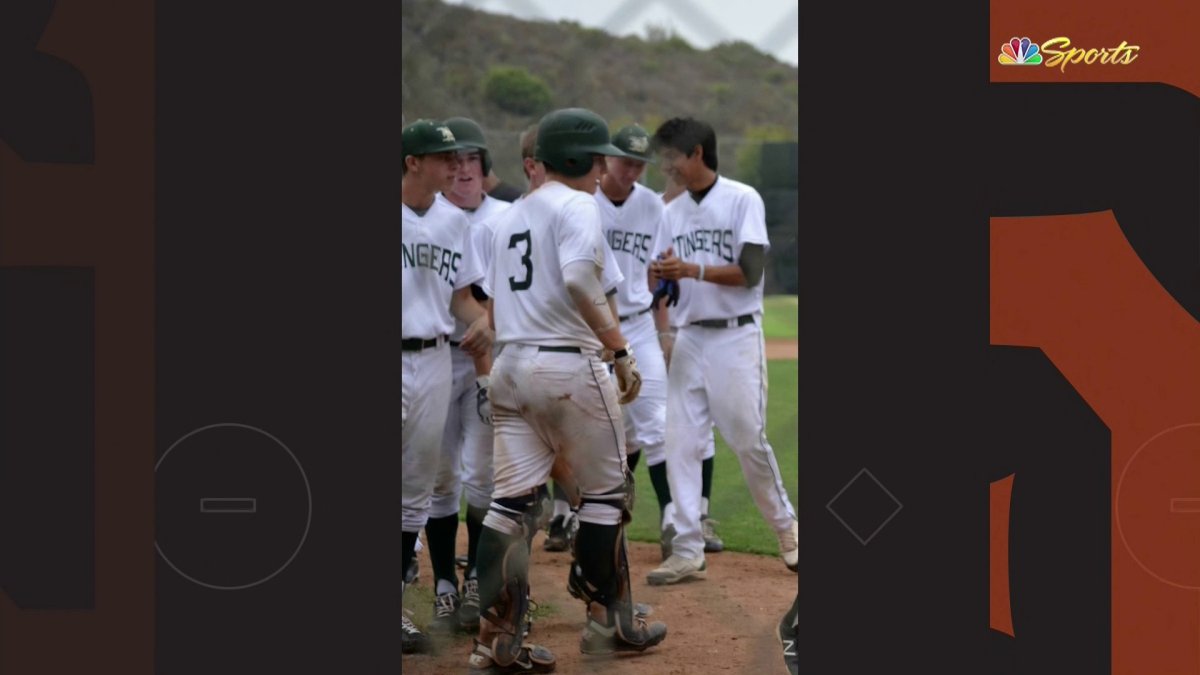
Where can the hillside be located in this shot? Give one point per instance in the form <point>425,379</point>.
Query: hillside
<point>447,51</point>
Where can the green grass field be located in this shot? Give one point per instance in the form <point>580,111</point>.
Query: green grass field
<point>780,316</point>
<point>741,525</point>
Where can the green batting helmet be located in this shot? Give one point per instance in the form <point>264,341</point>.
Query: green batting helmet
<point>469,134</point>
<point>568,138</point>
<point>634,141</point>
<point>426,137</point>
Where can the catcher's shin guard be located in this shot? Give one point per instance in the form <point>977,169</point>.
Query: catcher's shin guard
<point>503,560</point>
<point>600,577</point>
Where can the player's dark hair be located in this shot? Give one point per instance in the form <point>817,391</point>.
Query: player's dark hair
<point>684,134</point>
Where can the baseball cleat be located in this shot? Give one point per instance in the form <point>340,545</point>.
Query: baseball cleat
<point>532,659</point>
<point>676,569</point>
<point>412,641</point>
<point>468,612</point>
<point>666,541</point>
<point>445,613</point>
<point>789,546</point>
<point>556,537</point>
<point>599,639</point>
<point>712,543</point>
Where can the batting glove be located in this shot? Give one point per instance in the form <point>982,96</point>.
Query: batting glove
<point>666,289</point>
<point>483,404</point>
<point>629,380</point>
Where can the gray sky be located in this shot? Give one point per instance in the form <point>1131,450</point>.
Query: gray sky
<point>770,25</point>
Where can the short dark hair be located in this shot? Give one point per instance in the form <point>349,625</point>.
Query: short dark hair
<point>684,134</point>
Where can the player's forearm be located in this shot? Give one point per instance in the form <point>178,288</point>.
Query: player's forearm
<point>465,307</point>
<point>722,275</point>
<point>584,288</point>
<point>483,363</point>
<point>662,318</point>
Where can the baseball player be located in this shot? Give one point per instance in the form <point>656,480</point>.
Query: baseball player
<point>466,457</point>
<point>631,214</point>
<point>716,250</point>
<point>436,278</point>
<point>556,411</point>
<point>564,522</point>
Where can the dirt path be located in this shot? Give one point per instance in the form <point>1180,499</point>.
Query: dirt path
<point>724,624</point>
<point>779,349</point>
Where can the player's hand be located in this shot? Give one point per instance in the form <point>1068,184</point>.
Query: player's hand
<point>483,403</point>
<point>668,266</point>
<point>665,289</point>
<point>629,380</point>
<point>477,341</point>
<point>666,340</point>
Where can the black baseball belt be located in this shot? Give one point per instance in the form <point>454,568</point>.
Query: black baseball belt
<point>630,316</point>
<point>417,344</point>
<point>724,323</point>
<point>561,350</point>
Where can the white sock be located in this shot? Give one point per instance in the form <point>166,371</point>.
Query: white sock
<point>668,517</point>
<point>445,586</point>
<point>704,506</point>
<point>561,508</point>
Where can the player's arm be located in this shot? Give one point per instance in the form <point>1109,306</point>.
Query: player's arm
<point>746,273</point>
<point>583,285</point>
<point>666,337</point>
<point>478,338</point>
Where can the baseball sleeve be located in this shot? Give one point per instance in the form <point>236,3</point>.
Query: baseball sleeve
<point>580,235</point>
<point>750,225</point>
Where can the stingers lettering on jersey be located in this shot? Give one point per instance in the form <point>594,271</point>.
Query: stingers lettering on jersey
<point>441,261</point>
<point>718,242</point>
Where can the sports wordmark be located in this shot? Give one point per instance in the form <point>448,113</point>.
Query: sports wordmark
<point>443,261</point>
<point>714,241</point>
<point>633,243</point>
<point>1058,52</point>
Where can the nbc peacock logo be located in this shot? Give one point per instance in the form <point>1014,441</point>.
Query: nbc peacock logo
<point>1020,52</point>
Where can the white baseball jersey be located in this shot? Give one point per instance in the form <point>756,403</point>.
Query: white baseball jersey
<point>478,232</point>
<point>436,263</point>
<point>610,278</point>
<point>713,233</point>
<point>551,228</point>
<point>633,231</point>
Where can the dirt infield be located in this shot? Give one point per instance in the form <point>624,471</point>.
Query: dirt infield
<point>724,624</point>
<point>783,349</point>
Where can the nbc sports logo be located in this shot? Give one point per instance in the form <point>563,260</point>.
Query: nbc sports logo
<point>1019,52</point>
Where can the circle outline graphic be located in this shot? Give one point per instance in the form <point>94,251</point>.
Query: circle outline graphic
<point>1117,507</point>
<point>307,523</point>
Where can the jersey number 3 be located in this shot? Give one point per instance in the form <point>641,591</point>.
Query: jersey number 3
<point>526,260</point>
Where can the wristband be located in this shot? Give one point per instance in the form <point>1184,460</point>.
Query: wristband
<point>700,276</point>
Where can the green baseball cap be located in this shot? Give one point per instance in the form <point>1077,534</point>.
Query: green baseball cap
<point>634,141</point>
<point>426,137</point>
